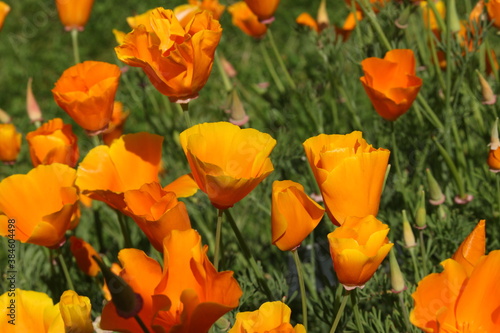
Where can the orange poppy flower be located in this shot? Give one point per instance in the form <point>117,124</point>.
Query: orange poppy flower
<point>350,173</point>
<point>74,14</point>
<point>349,25</point>
<point>156,212</point>
<point>130,162</point>
<point>177,60</point>
<point>189,296</point>
<point>53,142</point>
<point>75,312</point>
<point>4,10</point>
<point>307,20</point>
<point>226,161</point>
<point>46,222</point>
<point>115,126</point>
<point>184,186</point>
<point>357,248</point>
<point>464,297</point>
<point>246,20</point>
<point>264,9</point>
<point>270,317</point>
<point>293,215</point>
<point>185,13</point>
<point>390,83</point>
<point>83,252</point>
<point>86,92</point>
<point>10,143</point>
<point>493,7</point>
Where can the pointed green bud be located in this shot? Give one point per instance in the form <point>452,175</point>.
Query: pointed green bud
<point>454,20</point>
<point>127,302</point>
<point>489,96</point>
<point>397,279</point>
<point>421,213</point>
<point>402,20</point>
<point>408,235</point>
<point>436,195</point>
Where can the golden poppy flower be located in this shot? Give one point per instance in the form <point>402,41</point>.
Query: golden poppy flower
<point>53,142</point>
<point>156,212</point>
<point>75,312</point>
<point>188,296</point>
<point>29,311</point>
<point>46,222</point>
<point>264,9</point>
<point>185,13</point>
<point>74,14</point>
<point>270,317</point>
<point>357,248</point>
<point>454,301</point>
<point>472,248</point>
<point>293,214</point>
<point>10,143</point>
<point>115,126</point>
<point>493,7</point>
<point>227,162</point>
<point>350,173</point>
<point>83,252</point>
<point>184,186</point>
<point>177,60</point>
<point>86,92</point>
<point>4,10</point>
<point>390,83</point>
<point>246,20</point>
<point>130,162</point>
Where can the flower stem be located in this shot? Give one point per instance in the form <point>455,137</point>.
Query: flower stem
<point>423,252</point>
<point>141,323</point>
<point>218,233</point>
<point>405,311</point>
<point>399,173</point>
<point>343,303</point>
<point>355,308</point>
<point>303,295</point>
<point>76,50</point>
<point>127,242</point>
<point>453,169</point>
<point>248,255</point>
<point>64,268</point>
<point>368,11</point>
<point>271,68</point>
<point>184,108</point>
<point>225,79</point>
<point>415,266</point>
<point>280,59</point>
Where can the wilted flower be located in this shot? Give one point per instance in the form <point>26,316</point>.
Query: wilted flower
<point>177,60</point>
<point>350,173</point>
<point>270,317</point>
<point>390,83</point>
<point>188,296</point>
<point>74,14</point>
<point>293,214</point>
<point>227,162</point>
<point>86,92</point>
<point>53,142</point>
<point>49,216</point>
<point>264,9</point>
<point>246,20</point>
<point>10,143</point>
<point>357,248</point>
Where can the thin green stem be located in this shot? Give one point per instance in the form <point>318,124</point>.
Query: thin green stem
<point>415,266</point>
<point>355,308</point>
<point>64,268</point>
<point>405,311</point>
<point>303,295</point>
<point>127,242</point>
<point>395,153</point>
<point>218,233</point>
<point>225,79</point>
<point>248,255</point>
<point>453,169</point>
<point>76,50</point>
<point>343,303</point>
<point>429,113</point>
<point>368,11</point>
<point>184,108</point>
<point>271,69</point>
<point>141,323</point>
<point>280,59</point>
<point>423,252</point>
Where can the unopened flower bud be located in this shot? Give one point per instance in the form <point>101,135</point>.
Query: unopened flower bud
<point>421,213</point>
<point>322,17</point>
<point>238,114</point>
<point>489,97</point>
<point>127,302</point>
<point>436,194</point>
<point>402,20</point>
<point>454,20</point>
<point>494,154</point>
<point>34,112</point>
<point>4,117</point>
<point>408,235</point>
<point>397,279</point>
